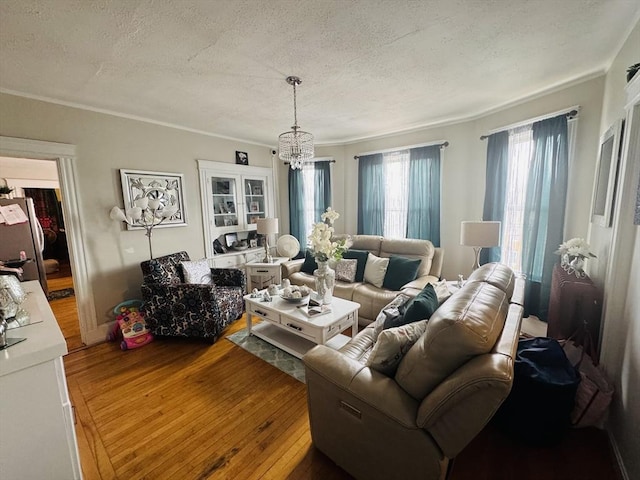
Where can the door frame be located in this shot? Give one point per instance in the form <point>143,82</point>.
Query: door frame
<point>65,157</point>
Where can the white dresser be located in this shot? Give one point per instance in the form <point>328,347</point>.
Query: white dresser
<point>37,433</point>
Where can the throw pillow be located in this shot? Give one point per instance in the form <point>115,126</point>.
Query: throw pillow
<point>442,291</point>
<point>392,345</point>
<point>346,270</point>
<point>361,256</point>
<point>309,264</point>
<point>375,270</point>
<point>196,272</point>
<point>401,271</point>
<point>390,313</point>
<point>422,306</point>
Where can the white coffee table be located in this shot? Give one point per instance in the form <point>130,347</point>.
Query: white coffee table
<point>287,327</point>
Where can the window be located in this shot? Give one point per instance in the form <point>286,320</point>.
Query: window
<point>526,189</point>
<point>399,194</point>
<point>520,155</point>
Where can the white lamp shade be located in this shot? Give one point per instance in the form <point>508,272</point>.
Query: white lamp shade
<point>480,234</point>
<point>267,226</point>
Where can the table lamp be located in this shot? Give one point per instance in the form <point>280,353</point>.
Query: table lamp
<point>479,235</point>
<point>266,227</point>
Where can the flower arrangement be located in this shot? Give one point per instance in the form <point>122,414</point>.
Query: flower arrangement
<point>572,255</point>
<point>322,248</point>
<point>575,248</point>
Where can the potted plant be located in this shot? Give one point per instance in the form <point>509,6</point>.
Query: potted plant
<point>632,70</point>
<point>5,190</point>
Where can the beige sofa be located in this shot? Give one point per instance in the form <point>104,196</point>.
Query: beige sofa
<point>446,388</point>
<point>371,298</point>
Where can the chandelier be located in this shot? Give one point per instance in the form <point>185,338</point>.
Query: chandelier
<point>295,146</point>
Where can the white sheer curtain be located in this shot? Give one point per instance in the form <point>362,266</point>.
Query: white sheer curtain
<point>396,198</point>
<point>520,151</point>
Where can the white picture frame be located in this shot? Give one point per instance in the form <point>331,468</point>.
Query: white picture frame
<point>606,173</point>
<point>166,186</point>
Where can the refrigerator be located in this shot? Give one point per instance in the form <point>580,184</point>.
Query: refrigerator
<point>27,237</point>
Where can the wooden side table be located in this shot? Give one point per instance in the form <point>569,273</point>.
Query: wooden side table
<point>574,309</point>
<point>260,275</point>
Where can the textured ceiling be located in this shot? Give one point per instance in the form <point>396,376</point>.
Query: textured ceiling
<point>368,67</point>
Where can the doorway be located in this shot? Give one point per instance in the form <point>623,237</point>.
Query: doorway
<point>63,157</point>
<point>38,179</point>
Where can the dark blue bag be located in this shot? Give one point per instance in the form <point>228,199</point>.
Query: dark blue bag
<point>538,409</point>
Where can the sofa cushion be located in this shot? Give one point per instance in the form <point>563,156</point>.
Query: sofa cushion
<point>346,270</point>
<point>497,274</point>
<point>401,270</point>
<point>410,248</point>
<point>370,243</point>
<point>442,290</point>
<point>466,325</point>
<point>197,272</point>
<point>361,256</point>
<point>375,270</point>
<point>391,346</point>
<point>309,264</point>
<point>421,306</point>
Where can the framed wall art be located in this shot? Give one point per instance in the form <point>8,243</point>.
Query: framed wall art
<point>242,158</point>
<point>606,173</point>
<point>165,187</point>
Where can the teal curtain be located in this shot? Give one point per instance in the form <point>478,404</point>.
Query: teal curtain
<point>544,211</point>
<point>423,215</point>
<point>371,195</point>
<point>495,187</point>
<point>297,226</point>
<point>321,188</point>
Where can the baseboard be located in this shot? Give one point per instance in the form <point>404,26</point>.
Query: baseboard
<point>616,452</point>
<point>99,334</point>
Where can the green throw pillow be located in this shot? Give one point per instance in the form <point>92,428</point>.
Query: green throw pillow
<point>400,271</point>
<point>422,306</point>
<point>309,264</point>
<point>361,256</point>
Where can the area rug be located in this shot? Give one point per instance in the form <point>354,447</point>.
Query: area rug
<point>58,294</point>
<point>273,355</point>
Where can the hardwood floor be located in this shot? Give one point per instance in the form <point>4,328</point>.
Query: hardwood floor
<point>183,409</point>
<point>65,309</point>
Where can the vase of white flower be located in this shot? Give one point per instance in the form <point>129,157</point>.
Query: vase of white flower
<point>325,278</point>
<point>573,254</point>
<point>325,250</point>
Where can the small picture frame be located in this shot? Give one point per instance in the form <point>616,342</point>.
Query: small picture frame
<point>231,207</point>
<point>253,243</point>
<point>257,190</point>
<point>223,187</point>
<point>242,158</point>
<point>254,207</point>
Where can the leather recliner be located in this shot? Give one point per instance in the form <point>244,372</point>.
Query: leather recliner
<point>446,389</point>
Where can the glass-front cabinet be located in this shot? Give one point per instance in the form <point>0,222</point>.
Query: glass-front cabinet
<point>234,197</point>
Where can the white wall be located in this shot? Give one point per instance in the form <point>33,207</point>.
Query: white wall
<point>463,167</point>
<point>106,143</point>
<point>620,354</point>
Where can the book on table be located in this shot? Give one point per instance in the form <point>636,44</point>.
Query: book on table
<point>315,310</point>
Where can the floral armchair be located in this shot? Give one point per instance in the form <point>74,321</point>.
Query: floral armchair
<point>173,307</point>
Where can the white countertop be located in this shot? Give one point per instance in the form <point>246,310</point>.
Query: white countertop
<point>44,340</point>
